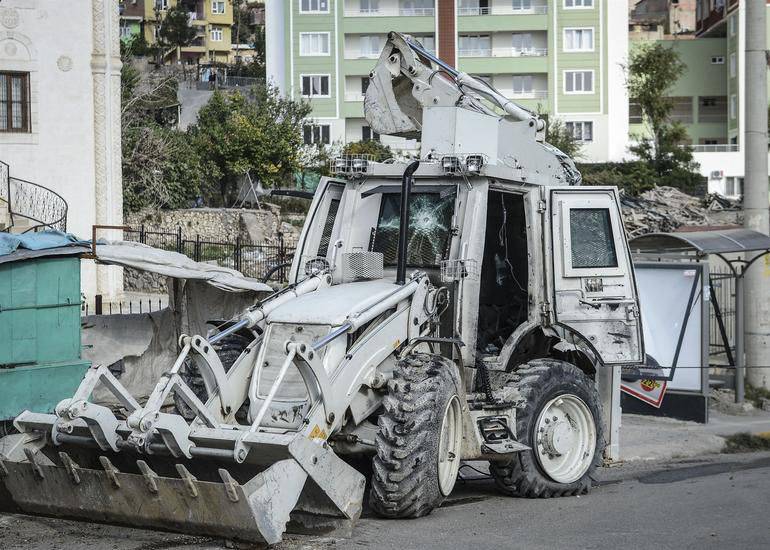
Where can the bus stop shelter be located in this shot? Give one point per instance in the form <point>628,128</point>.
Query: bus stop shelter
<point>731,246</point>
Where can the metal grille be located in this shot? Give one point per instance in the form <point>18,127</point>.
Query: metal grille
<point>326,235</point>
<point>591,238</point>
<point>359,266</point>
<point>455,270</point>
<point>723,284</point>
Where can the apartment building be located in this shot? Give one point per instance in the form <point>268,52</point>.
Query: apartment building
<point>560,57</point>
<point>212,20</point>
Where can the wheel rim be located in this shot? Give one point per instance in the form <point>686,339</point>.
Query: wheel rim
<point>565,438</point>
<point>449,446</point>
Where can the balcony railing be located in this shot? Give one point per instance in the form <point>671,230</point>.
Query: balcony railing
<point>502,10</point>
<point>519,52</point>
<point>361,55</point>
<point>715,148</point>
<point>394,11</point>
<point>532,94</point>
<point>481,52</point>
<point>354,96</point>
<point>474,11</point>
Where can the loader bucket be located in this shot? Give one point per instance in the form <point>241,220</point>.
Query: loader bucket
<point>255,511</point>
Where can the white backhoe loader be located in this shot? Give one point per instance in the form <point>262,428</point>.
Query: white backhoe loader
<point>459,307</point>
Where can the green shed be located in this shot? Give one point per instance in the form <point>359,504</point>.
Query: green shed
<point>40,360</point>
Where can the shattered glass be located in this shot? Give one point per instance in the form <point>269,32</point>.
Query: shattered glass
<point>430,220</point>
<point>591,238</point>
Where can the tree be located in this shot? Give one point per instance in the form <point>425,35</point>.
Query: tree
<point>174,31</point>
<point>161,169</point>
<point>259,133</point>
<point>556,134</point>
<point>652,71</point>
<point>377,150</point>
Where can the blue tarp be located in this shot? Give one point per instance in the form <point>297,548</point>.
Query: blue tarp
<point>43,240</point>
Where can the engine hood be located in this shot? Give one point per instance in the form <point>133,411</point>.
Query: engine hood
<point>332,305</point>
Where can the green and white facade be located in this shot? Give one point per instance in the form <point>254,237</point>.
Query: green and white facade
<point>561,57</point>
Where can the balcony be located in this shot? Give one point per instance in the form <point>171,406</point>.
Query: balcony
<point>502,10</point>
<point>518,52</point>
<point>532,94</point>
<point>361,55</point>
<point>715,148</point>
<point>389,11</point>
<point>484,52</point>
<point>354,96</point>
<point>503,52</point>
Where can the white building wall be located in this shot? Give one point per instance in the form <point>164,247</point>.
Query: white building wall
<point>616,133</point>
<point>69,49</point>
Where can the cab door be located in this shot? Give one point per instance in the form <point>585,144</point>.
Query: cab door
<point>594,290</point>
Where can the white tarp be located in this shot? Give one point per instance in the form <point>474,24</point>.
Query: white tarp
<point>172,264</point>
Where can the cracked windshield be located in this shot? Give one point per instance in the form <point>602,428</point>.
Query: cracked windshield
<point>430,220</point>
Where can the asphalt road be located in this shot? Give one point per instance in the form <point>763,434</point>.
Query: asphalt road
<point>721,501</point>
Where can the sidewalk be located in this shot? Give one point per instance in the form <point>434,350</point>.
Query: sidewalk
<point>652,438</point>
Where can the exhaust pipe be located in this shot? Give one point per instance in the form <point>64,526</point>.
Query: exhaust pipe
<point>403,230</point>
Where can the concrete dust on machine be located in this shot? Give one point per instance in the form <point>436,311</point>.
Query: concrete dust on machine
<point>472,305</point>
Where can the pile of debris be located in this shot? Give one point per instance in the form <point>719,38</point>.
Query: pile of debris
<point>665,209</point>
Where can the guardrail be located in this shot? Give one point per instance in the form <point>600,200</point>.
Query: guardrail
<point>715,148</point>
<point>43,207</point>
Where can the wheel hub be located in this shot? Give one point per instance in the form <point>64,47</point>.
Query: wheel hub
<point>558,438</point>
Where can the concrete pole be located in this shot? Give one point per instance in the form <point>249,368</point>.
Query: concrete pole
<point>755,196</point>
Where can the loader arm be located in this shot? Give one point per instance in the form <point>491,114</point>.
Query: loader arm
<point>404,82</point>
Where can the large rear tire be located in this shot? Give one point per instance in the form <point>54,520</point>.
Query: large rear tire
<point>419,439</point>
<point>561,421</point>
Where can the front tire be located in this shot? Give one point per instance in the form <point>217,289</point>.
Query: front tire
<point>561,421</point>
<point>419,439</point>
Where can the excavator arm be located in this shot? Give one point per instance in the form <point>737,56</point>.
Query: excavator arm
<point>408,78</point>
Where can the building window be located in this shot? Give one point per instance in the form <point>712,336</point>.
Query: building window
<point>367,134</point>
<point>712,109</point>
<point>364,84</point>
<point>733,186</point>
<point>581,131</point>
<point>416,7</point>
<point>578,40</point>
<point>578,3</point>
<point>733,66</point>
<point>522,84</point>
<point>733,107</point>
<point>522,41</point>
<point>427,42</point>
<point>316,134</point>
<point>682,110</point>
<point>315,85</point>
<point>313,43</point>
<point>369,45</point>
<point>369,6</point>
<point>125,32</point>
<point>475,45</point>
<point>521,5</point>
<point>718,60</point>
<point>635,115</point>
<point>161,5</point>
<point>217,35</point>
<point>218,7</point>
<point>314,6</point>
<point>579,82</point>
<point>14,102</point>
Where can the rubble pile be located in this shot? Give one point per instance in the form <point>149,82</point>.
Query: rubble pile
<point>665,209</point>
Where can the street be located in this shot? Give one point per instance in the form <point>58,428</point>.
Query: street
<point>710,502</point>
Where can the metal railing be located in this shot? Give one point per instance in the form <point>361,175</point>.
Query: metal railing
<point>389,12</point>
<point>361,55</point>
<point>532,94</point>
<point>722,282</point>
<point>477,52</point>
<point>263,261</point>
<point>519,52</point>
<point>354,96</point>
<point>502,10</point>
<point>715,148</point>
<point>42,207</point>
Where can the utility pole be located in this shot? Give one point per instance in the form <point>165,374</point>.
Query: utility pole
<point>756,199</point>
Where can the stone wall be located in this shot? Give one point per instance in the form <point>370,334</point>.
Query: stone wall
<point>224,225</point>
<point>220,224</point>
